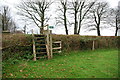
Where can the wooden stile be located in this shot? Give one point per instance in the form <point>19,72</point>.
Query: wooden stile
<point>41,40</point>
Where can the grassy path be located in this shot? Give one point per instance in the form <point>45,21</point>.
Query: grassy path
<point>79,64</point>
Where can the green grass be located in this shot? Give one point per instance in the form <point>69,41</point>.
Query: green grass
<point>77,64</point>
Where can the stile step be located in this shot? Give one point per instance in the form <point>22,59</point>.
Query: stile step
<point>40,41</point>
<point>57,48</point>
<point>57,52</point>
<point>38,35</point>
<point>41,52</point>
<point>40,44</point>
<point>39,38</point>
<point>40,48</point>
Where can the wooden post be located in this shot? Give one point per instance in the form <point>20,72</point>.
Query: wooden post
<point>93,47</point>
<point>60,45</point>
<point>48,44</point>
<point>48,54</point>
<point>34,51</point>
<point>51,50</point>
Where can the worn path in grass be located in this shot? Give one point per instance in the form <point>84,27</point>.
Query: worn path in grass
<point>79,64</point>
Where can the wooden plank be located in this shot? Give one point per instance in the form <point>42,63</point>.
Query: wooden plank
<point>40,48</point>
<point>40,44</point>
<point>40,41</point>
<point>57,42</point>
<point>57,48</point>
<point>57,52</point>
<point>39,38</point>
<point>38,35</point>
<point>41,53</point>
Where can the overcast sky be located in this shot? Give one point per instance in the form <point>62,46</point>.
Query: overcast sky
<point>13,3</point>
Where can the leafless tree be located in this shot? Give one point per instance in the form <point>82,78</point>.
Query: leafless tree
<point>99,13</point>
<point>113,19</point>
<point>36,10</point>
<point>80,8</point>
<point>75,7</point>
<point>24,28</point>
<point>62,16</point>
<point>119,18</point>
<point>13,26</point>
<point>6,18</point>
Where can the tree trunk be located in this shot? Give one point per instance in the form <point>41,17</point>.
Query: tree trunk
<point>116,26</point>
<point>116,31</point>
<point>98,26</point>
<point>98,30</point>
<point>75,27</point>
<point>79,27</point>
<point>66,29</point>
<point>41,30</point>
<point>3,26</point>
<point>42,24</point>
<point>65,22</point>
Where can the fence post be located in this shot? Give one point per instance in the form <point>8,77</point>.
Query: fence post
<point>48,43</point>
<point>34,52</point>
<point>93,47</point>
<point>51,50</point>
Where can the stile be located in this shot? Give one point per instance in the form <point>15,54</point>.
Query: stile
<point>42,45</point>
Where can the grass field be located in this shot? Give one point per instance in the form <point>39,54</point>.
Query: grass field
<point>77,64</point>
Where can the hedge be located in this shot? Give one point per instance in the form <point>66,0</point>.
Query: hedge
<point>21,44</point>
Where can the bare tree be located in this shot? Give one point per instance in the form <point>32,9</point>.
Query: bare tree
<point>75,7</point>
<point>36,11</point>
<point>6,19</point>
<point>99,14</point>
<point>112,19</point>
<point>119,18</point>
<point>84,9</point>
<point>80,8</point>
<point>62,16</point>
<point>13,26</point>
<point>24,28</point>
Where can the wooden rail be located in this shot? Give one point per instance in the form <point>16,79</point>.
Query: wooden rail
<point>57,48</point>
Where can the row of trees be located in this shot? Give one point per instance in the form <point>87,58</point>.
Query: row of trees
<point>95,13</point>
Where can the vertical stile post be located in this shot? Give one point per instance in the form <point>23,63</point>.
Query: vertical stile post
<point>60,45</point>
<point>51,53</point>
<point>47,45</point>
<point>34,51</point>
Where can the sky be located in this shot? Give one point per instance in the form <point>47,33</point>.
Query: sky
<point>56,30</point>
